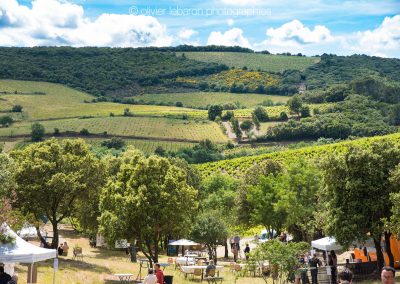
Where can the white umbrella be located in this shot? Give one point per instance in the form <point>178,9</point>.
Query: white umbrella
<point>183,242</point>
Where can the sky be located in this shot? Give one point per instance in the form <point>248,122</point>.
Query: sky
<point>312,27</point>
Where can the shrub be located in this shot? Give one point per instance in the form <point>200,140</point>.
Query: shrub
<point>56,131</point>
<point>261,114</point>
<point>84,132</point>
<point>179,104</point>
<point>16,108</point>
<point>6,120</point>
<point>283,116</point>
<point>37,132</point>
<point>116,143</point>
<point>246,125</point>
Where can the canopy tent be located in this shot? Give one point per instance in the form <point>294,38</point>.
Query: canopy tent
<point>183,242</point>
<point>326,244</point>
<point>21,251</point>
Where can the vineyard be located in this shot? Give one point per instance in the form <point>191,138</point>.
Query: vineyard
<point>202,99</point>
<point>264,62</point>
<point>157,128</point>
<point>236,167</point>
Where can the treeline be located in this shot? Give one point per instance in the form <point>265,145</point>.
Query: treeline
<point>355,116</point>
<point>100,71</point>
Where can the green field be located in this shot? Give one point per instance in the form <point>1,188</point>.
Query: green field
<point>202,99</point>
<point>146,146</point>
<point>158,128</point>
<point>263,62</point>
<point>62,102</point>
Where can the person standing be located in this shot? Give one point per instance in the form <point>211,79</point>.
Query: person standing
<point>4,277</point>
<point>332,262</point>
<point>159,273</point>
<point>150,278</point>
<point>247,251</point>
<point>387,275</point>
<point>314,262</point>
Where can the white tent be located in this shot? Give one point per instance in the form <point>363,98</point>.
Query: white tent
<point>183,242</point>
<point>28,232</point>
<point>21,251</point>
<point>326,244</point>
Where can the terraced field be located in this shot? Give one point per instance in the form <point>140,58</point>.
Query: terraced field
<point>131,127</point>
<point>202,99</point>
<point>63,102</point>
<point>263,62</point>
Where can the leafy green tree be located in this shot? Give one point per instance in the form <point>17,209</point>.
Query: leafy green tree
<point>236,128</point>
<point>37,132</point>
<point>261,114</point>
<point>7,187</point>
<point>283,116</point>
<point>51,176</point>
<point>395,114</point>
<point>357,193</point>
<point>209,229</point>
<point>305,111</point>
<point>295,103</point>
<point>149,199</point>
<point>214,111</point>
<point>16,108</point>
<point>160,151</point>
<point>115,142</point>
<point>256,121</point>
<point>6,120</point>
<point>246,125</point>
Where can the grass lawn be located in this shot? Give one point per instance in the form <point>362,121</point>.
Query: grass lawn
<point>264,62</point>
<point>203,99</point>
<point>156,127</point>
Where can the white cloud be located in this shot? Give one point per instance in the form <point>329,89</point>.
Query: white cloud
<point>229,38</point>
<point>230,22</point>
<point>296,32</point>
<point>185,36</point>
<point>186,33</point>
<point>56,22</point>
<point>382,41</point>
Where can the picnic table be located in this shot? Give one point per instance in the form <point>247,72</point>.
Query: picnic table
<point>124,277</point>
<point>185,261</point>
<point>190,269</point>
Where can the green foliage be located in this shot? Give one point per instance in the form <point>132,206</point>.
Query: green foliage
<point>160,151</point>
<point>209,229</point>
<point>116,143</point>
<point>147,200</point>
<point>283,116</point>
<point>16,108</point>
<point>235,127</point>
<point>246,125</point>
<point>295,103</point>
<point>205,151</point>
<point>394,115</point>
<point>261,114</point>
<point>52,176</point>
<point>305,111</point>
<point>37,132</point>
<point>100,71</point>
<point>214,111</point>
<point>84,132</point>
<point>255,121</point>
<point>6,120</point>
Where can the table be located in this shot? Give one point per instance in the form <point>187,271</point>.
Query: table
<point>185,261</point>
<point>124,277</point>
<point>190,269</point>
<point>164,265</point>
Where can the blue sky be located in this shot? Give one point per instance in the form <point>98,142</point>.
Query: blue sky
<point>310,27</point>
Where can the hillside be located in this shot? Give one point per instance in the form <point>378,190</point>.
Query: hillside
<point>253,61</point>
<point>238,166</point>
<point>113,72</point>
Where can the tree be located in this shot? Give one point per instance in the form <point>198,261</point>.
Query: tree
<point>179,104</point>
<point>261,114</point>
<point>127,112</point>
<point>16,108</point>
<point>37,132</point>
<point>115,142</point>
<point>283,116</point>
<point>6,120</point>
<point>7,187</point>
<point>149,199</point>
<point>246,125</point>
<point>51,176</point>
<point>160,151</point>
<point>214,111</point>
<point>236,128</point>
<point>295,103</point>
<point>255,121</point>
<point>395,114</point>
<point>305,111</point>
<point>357,193</point>
<point>209,229</point>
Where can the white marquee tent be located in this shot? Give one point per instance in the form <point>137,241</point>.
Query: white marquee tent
<point>326,244</point>
<point>21,251</point>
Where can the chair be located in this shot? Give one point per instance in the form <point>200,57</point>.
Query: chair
<point>238,268</point>
<point>77,253</point>
<point>198,272</point>
<point>211,278</point>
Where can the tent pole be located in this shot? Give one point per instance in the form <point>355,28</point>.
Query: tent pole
<point>54,276</point>
<point>31,274</point>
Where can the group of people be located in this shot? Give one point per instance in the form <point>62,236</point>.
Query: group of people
<point>155,276</point>
<point>63,249</point>
<point>5,278</point>
<point>313,263</point>
<point>387,276</point>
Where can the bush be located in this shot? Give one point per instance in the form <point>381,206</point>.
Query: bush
<point>261,114</point>
<point>56,131</point>
<point>214,111</point>
<point>16,108</point>
<point>116,143</point>
<point>246,125</point>
<point>179,104</point>
<point>283,116</point>
<point>160,151</point>
<point>6,120</point>
<point>37,132</point>
<point>84,132</point>
<point>305,111</point>
<point>228,115</point>
<point>127,112</point>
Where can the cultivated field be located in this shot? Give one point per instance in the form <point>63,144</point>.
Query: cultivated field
<point>202,99</point>
<point>63,102</point>
<point>152,127</point>
<point>263,62</point>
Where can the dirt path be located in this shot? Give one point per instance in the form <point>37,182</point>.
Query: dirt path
<point>229,131</point>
